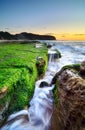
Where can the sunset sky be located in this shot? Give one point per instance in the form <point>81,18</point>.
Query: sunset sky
<point>64,19</point>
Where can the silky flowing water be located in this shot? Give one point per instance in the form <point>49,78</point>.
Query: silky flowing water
<point>39,114</point>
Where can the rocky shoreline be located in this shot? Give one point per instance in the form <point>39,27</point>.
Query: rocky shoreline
<point>69,113</point>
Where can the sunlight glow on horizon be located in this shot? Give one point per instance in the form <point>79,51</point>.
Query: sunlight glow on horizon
<point>62,36</point>
<point>64,19</point>
<point>70,37</point>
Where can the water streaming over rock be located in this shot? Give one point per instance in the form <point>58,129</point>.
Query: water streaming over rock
<point>38,116</point>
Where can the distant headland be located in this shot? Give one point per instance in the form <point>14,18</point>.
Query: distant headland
<point>24,36</point>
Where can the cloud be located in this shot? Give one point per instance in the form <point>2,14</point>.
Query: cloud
<point>62,35</point>
<point>7,28</point>
<point>79,34</point>
<point>49,33</point>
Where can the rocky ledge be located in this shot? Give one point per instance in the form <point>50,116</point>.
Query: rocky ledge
<point>69,113</point>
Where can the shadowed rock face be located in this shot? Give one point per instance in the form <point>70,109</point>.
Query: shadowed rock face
<point>70,111</point>
<point>82,69</point>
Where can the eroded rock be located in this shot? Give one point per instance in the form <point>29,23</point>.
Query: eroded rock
<point>3,91</point>
<point>3,109</point>
<point>82,69</point>
<point>3,104</point>
<point>43,84</point>
<point>40,64</point>
<point>70,111</point>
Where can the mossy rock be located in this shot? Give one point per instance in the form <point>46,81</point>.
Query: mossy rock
<point>40,64</point>
<point>75,67</point>
<point>58,53</point>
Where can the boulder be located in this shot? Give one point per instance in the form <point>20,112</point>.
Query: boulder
<point>4,104</point>
<point>54,54</point>
<point>49,46</point>
<point>3,92</point>
<point>40,64</point>
<point>3,110</point>
<point>43,84</point>
<point>69,114</point>
<point>82,69</point>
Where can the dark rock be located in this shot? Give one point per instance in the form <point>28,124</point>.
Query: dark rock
<point>53,54</point>
<point>49,46</point>
<point>3,105</point>
<point>43,84</point>
<point>3,110</point>
<point>69,114</point>
<point>40,64</point>
<point>82,69</point>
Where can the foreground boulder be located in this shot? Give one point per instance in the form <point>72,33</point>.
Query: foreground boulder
<point>69,114</point>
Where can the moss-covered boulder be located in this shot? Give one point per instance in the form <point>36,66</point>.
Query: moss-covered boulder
<point>75,67</point>
<point>69,114</point>
<point>40,64</point>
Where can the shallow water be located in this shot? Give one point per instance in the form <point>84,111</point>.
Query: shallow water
<point>72,52</point>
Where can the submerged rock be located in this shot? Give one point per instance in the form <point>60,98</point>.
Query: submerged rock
<point>69,114</point>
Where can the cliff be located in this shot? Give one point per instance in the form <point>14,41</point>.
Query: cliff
<point>25,36</point>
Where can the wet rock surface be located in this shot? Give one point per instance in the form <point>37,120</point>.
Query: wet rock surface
<point>54,53</point>
<point>40,64</point>
<point>3,109</point>
<point>82,69</point>
<point>3,106</point>
<point>69,114</point>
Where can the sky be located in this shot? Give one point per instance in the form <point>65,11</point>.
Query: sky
<point>65,19</point>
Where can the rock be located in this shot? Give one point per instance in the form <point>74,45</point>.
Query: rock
<point>54,54</point>
<point>3,110</point>
<point>43,84</point>
<point>3,92</point>
<point>82,69</point>
<point>49,46</point>
<point>69,114</point>
<point>4,105</point>
<point>40,64</point>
